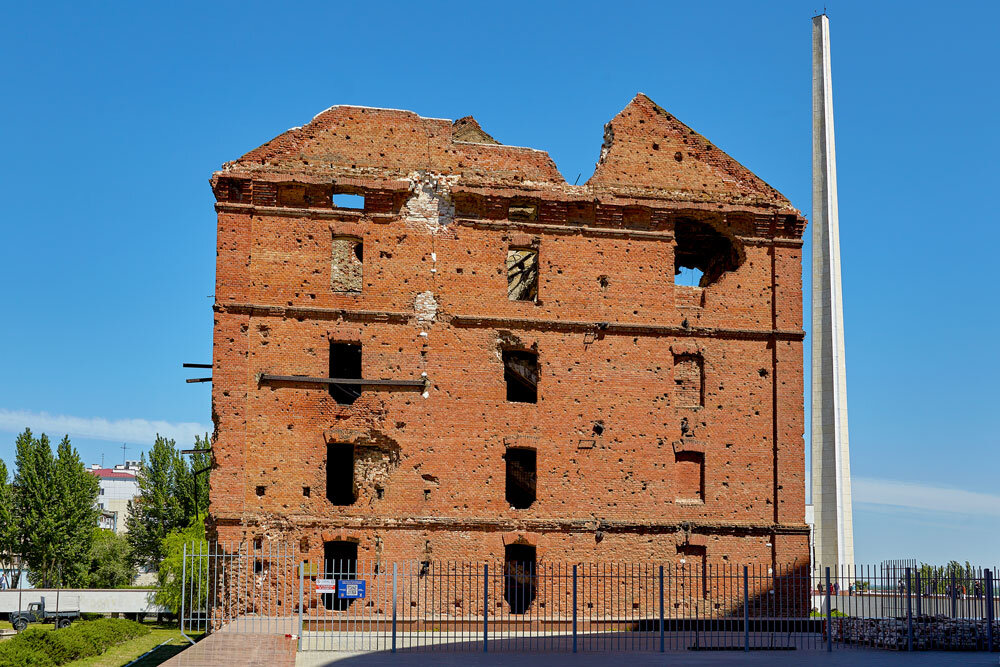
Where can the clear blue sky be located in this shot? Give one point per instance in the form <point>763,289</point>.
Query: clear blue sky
<point>115,115</point>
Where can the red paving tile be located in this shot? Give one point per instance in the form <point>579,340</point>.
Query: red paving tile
<point>231,649</point>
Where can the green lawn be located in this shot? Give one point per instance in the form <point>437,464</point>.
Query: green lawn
<point>122,654</point>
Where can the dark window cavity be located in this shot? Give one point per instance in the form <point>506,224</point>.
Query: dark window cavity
<point>520,575</point>
<point>522,274</point>
<point>345,363</point>
<point>520,372</point>
<point>340,474</point>
<point>340,561</point>
<point>522,475</point>
<point>702,254</point>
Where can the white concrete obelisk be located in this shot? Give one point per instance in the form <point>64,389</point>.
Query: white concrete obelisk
<point>831,464</point>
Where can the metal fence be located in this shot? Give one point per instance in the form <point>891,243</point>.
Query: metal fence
<point>359,605</point>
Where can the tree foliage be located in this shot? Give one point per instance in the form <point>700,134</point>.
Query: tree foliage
<point>938,578</point>
<point>169,579</point>
<point>167,500</point>
<point>10,570</point>
<point>109,563</point>
<point>54,510</point>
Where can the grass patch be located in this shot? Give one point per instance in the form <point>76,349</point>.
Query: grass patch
<point>132,649</point>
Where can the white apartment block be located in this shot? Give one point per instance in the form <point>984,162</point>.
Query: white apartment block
<point>118,485</point>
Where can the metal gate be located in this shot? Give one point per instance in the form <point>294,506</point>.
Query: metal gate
<point>243,587</point>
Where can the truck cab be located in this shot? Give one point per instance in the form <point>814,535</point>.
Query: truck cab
<point>36,613</point>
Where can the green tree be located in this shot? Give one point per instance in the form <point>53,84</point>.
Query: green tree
<point>76,491</point>
<point>109,561</point>
<point>167,500</point>
<point>10,531</point>
<point>169,580</point>
<point>54,499</point>
<point>34,503</point>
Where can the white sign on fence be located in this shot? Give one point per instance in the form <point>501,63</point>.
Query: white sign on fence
<point>326,585</point>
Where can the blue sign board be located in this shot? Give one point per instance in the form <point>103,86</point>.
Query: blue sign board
<point>350,589</point>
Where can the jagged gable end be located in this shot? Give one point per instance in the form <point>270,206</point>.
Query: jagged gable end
<point>648,155</point>
<point>355,142</point>
<point>648,152</point>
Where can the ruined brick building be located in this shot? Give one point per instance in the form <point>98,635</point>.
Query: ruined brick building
<point>474,359</point>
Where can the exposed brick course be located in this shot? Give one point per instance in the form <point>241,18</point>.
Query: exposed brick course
<point>669,419</point>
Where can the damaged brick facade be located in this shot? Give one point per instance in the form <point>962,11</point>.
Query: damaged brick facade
<point>665,420</point>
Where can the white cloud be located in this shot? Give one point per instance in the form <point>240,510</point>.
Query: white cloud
<point>923,497</point>
<point>98,428</point>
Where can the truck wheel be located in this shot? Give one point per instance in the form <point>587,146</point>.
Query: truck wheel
<point>20,624</point>
<point>63,623</point>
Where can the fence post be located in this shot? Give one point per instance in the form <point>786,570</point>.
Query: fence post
<point>486,603</point>
<point>183,588</point>
<point>989,610</point>
<point>574,608</point>
<point>394,578</point>
<point>662,643</point>
<point>829,615</point>
<point>746,609</point>
<point>953,595</point>
<point>302,585</point>
<point>909,614</point>
<point>920,592</point>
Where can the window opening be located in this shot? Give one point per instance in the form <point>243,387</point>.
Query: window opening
<point>520,574</point>
<point>690,475</point>
<point>344,200</point>
<point>689,380</point>
<point>702,254</point>
<point>522,476</point>
<point>522,274</point>
<point>345,362</point>
<point>340,474</point>
<point>340,561</point>
<point>520,372</point>
<point>346,264</point>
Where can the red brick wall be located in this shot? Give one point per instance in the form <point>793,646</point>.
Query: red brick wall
<point>609,328</point>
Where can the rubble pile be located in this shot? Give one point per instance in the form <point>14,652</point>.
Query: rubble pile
<point>929,632</point>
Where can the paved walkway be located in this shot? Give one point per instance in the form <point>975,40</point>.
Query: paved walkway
<point>232,650</point>
<point>852,657</point>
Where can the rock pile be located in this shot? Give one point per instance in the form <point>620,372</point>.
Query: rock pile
<point>929,632</point>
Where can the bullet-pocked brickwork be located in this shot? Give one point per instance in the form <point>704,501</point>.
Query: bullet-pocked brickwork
<point>478,359</point>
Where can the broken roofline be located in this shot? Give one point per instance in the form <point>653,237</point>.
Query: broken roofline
<point>348,141</point>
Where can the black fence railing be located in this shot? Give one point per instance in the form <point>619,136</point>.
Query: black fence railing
<point>686,605</point>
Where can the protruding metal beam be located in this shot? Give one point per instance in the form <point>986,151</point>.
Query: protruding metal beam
<point>265,377</point>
